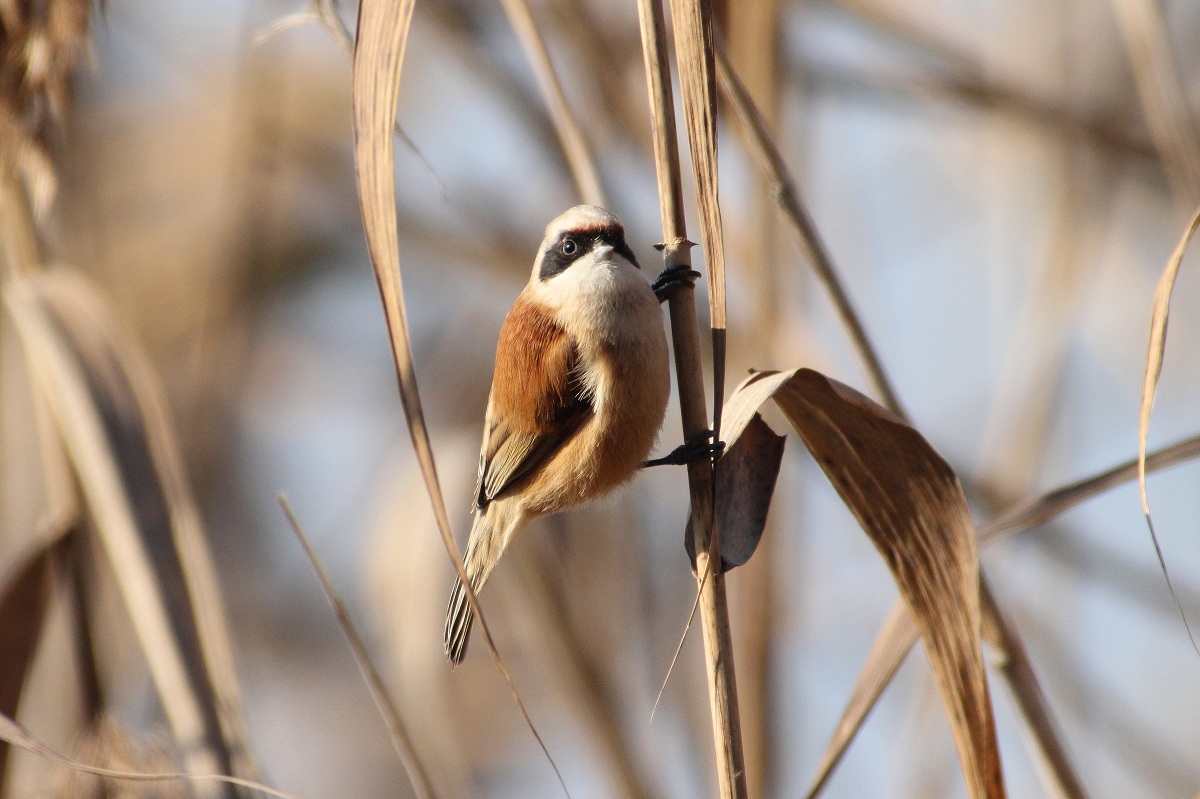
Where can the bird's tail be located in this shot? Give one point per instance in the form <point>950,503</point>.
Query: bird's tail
<point>492,532</point>
<point>459,618</point>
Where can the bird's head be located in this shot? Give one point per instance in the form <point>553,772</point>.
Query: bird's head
<point>581,239</point>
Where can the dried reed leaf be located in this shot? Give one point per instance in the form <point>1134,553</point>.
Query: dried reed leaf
<point>1157,346</point>
<point>908,500</point>
<point>662,119</point>
<point>81,367</point>
<point>746,475</point>
<point>898,634</point>
<point>692,20</point>
<point>570,135</point>
<point>24,600</point>
<point>15,734</point>
<point>184,558</point>
<point>1155,352</point>
<point>693,38</point>
<point>383,27</point>
<point>397,729</point>
<point>1154,360</point>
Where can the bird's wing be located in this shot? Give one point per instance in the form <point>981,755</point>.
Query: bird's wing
<point>537,401</point>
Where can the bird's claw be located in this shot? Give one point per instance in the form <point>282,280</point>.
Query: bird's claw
<point>698,448</point>
<point>670,280</point>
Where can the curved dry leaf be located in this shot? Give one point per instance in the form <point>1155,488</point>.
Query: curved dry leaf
<point>82,367</point>
<point>897,636</point>
<point>909,502</point>
<point>1154,359</point>
<point>746,475</point>
<point>114,360</point>
<point>24,599</point>
<point>383,27</point>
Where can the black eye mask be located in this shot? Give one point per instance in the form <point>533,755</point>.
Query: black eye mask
<point>570,247</point>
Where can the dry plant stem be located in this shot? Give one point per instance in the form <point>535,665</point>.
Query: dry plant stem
<point>397,731</point>
<point>770,160</point>
<point>892,644</point>
<point>1018,672</point>
<point>579,157</point>
<point>753,34</point>
<point>585,676</point>
<point>693,28</point>
<point>718,644</point>
<point>15,734</point>
<point>383,27</point>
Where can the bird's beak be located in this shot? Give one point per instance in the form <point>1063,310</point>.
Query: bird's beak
<point>603,252</point>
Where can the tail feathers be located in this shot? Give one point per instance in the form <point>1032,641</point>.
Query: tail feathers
<point>493,530</point>
<point>459,618</point>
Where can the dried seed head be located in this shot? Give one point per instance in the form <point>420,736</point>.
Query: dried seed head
<point>41,42</point>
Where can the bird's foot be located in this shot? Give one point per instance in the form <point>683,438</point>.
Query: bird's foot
<point>699,447</point>
<point>670,280</point>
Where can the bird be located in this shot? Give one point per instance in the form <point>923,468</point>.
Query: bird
<point>579,391</point>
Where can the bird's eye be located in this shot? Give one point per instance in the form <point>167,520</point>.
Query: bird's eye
<point>569,247</point>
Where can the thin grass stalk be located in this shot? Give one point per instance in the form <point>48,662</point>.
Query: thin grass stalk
<point>15,734</point>
<point>892,645</point>
<point>690,379</point>
<point>328,14</point>
<point>575,148</point>
<point>402,741</point>
<point>770,160</point>
<point>584,674</point>
<point>1017,670</point>
<point>754,37</point>
<point>382,35</point>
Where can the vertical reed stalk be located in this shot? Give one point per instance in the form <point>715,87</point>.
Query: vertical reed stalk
<point>676,249</point>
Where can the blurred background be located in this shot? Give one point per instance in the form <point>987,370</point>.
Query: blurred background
<point>1000,184</point>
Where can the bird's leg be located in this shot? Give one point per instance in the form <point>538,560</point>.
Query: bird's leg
<point>669,280</point>
<point>699,447</point>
